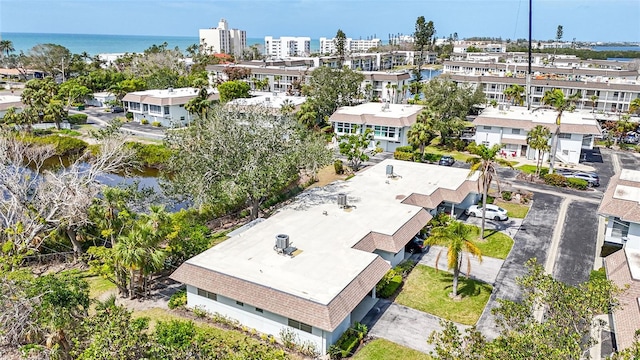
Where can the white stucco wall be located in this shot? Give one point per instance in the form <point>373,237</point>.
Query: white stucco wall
<point>265,322</point>
<point>569,149</point>
<point>634,236</point>
<point>392,258</point>
<point>488,134</point>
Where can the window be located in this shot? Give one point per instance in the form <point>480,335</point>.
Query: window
<point>485,143</point>
<point>384,131</point>
<point>240,303</point>
<point>538,89</point>
<point>134,106</point>
<point>487,127</point>
<point>166,110</point>
<point>145,107</point>
<point>515,131</point>
<point>208,295</point>
<point>155,109</point>
<point>298,325</point>
<point>345,127</point>
<point>564,136</point>
<point>259,310</point>
<point>565,152</point>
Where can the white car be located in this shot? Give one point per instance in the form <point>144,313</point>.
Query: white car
<point>492,212</point>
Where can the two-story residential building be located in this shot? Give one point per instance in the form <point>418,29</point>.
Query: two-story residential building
<point>604,86</point>
<point>620,206</point>
<point>288,76</point>
<point>390,122</point>
<point>509,126</point>
<point>166,107</point>
<point>312,268</point>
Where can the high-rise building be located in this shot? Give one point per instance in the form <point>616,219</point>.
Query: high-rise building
<point>328,46</point>
<point>287,46</point>
<point>223,40</point>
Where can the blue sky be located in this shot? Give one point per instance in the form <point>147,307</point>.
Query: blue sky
<point>586,20</point>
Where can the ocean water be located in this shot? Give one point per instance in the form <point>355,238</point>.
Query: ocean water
<point>108,44</point>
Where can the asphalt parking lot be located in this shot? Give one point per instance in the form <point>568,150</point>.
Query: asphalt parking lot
<point>577,247</point>
<point>532,241</point>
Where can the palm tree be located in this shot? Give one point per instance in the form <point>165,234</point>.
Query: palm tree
<point>487,163</point>
<point>455,237</point>
<point>277,79</point>
<point>140,253</point>
<point>421,133</point>
<point>287,107</point>
<point>634,105</point>
<point>6,47</point>
<point>55,112</point>
<point>515,92</point>
<point>594,101</point>
<point>538,139</point>
<point>556,100</point>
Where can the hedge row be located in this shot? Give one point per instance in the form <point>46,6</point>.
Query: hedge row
<point>561,181</point>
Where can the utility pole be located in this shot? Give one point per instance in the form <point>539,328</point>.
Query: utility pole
<point>528,84</point>
<point>63,69</point>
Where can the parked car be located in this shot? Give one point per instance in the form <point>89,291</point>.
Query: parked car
<point>446,160</point>
<point>492,212</point>
<point>117,109</point>
<point>416,245</point>
<point>592,179</point>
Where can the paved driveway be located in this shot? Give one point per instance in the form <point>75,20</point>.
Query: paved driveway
<point>532,240</point>
<point>403,325</point>
<point>577,247</point>
<point>509,227</point>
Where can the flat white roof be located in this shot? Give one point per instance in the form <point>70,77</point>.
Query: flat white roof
<point>381,110</point>
<point>633,258</point>
<point>168,93</point>
<point>548,116</point>
<point>325,234</point>
<point>269,99</point>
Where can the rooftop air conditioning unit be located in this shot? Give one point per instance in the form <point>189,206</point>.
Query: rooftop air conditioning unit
<point>342,200</point>
<point>389,171</point>
<point>282,242</point>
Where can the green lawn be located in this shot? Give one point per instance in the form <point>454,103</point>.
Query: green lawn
<point>495,244</point>
<point>98,286</point>
<point>427,290</point>
<point>456,154</point>
<point>531,169</point>
<point>381,349</point>
<point>518,211</point>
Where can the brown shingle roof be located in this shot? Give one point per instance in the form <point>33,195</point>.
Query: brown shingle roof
<point>627,210</point>
<point>326,317</point>
<point>626,319</point>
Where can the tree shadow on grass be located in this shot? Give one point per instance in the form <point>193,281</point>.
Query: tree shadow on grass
<point>466,287</point>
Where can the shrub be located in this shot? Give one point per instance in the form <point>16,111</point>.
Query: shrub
<point>599,274</point>
<point>77,119</point>
<point>432,158</point>
<point>156,124</point>
<point>401,155</point>
<point>338,165</point>
<point>129,116</point>
<point>408,148</point>
<point>144,121</point>
<point>555,180</point>
<point>200,312</point>
<point>63,144</point>
<point>441,219</point>
<point>490,200</point>
<point>579,184</point>
<point>70,132</point>
<point>151,155</point>
<point>405,267</point>
<point>389,283</point>
<point>178,299</point>
<point>506,195</point>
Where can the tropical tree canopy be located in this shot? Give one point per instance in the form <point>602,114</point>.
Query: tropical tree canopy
<point>538,139</point>
<point>455,237</point>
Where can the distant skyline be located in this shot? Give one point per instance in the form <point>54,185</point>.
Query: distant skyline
<point>584,20</point>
